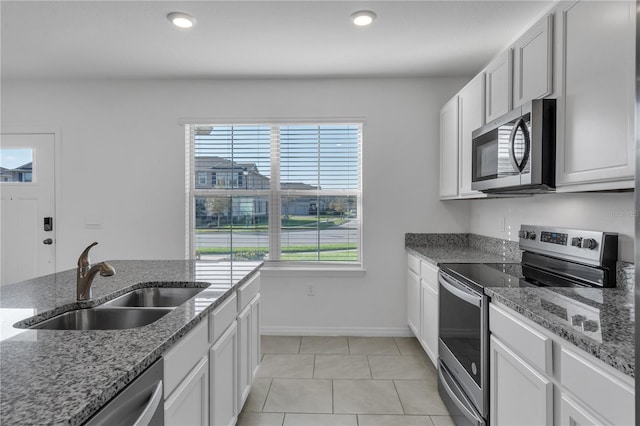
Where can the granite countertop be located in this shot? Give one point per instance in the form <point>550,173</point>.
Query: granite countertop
<point>552,308</point>
<point>462,248</point>
<point>612,341</point>
<point>64,377</point>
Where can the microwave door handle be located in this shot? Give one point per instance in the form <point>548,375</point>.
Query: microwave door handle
<point>520,123</point>
<point>466,296</point>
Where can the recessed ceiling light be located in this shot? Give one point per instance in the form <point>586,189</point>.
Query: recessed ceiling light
<point>181,20</point>
<point>363,18</point>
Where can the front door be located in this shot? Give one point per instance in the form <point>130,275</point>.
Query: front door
<point>28,228</point>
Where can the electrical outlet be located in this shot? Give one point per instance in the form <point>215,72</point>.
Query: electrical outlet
<point>311,291</point>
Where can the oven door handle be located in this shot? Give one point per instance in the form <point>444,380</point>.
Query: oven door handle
<point>457,397</point>
<point>472,298</point>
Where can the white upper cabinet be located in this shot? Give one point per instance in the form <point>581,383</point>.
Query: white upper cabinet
<point>498,84</point>
<point>449,149</point>
<point>595,143</point>
<point>470,117</point>
<point>533,59</point>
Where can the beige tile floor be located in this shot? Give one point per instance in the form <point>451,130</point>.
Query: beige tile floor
<point>344,381</point>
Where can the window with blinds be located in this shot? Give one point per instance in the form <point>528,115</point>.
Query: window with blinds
<point>275,192</point>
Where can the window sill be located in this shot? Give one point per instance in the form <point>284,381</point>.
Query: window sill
<point>288,269</point>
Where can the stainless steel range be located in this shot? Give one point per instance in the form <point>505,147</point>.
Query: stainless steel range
<point>552,257</point>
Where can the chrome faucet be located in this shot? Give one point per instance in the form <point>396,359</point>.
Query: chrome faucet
<point>87,272</point>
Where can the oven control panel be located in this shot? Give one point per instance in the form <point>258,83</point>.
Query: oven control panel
<point>590,247</point>
<point>559,238</point>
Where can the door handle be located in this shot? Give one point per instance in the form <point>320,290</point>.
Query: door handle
<point>48,241</point>
<point>520,124</point>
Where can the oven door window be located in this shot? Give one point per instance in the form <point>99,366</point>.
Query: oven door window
<point>460,330</point>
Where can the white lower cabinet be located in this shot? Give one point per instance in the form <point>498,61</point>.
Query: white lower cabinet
<point>413,295</point>
<point>223,366</point>
<point>256,353</point>
<point>574,414</point>
<point>188,405</point>
<point>244,343</point>
<point>519,394</point>
<point>248,338</point>
<point>208,373</point>
<point>524,378</point>
<point>429,337</point>
<point>422,304</point>
<point>186,379</point>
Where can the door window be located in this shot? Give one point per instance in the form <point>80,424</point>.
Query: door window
<point>16,165</point>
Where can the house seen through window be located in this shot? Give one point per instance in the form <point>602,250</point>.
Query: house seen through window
<point>275,192</point>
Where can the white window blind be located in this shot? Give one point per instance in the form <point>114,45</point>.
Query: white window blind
<point>275,192</point>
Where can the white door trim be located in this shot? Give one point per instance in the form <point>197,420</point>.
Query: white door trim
<point>57,158</point>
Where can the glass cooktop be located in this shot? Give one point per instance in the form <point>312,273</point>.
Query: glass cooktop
<point>482,275</point>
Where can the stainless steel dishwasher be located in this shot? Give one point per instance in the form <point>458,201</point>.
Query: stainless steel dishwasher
<point>139,404</point>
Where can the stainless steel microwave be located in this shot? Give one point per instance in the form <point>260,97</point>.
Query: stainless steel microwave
<point>516,152</point>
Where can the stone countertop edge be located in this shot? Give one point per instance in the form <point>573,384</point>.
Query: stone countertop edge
<point>618,352</point>
<point>127,365</point>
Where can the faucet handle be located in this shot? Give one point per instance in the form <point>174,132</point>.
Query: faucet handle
<point>83,260</point>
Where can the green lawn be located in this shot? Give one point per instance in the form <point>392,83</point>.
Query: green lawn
<point>337,252</point>
<point>292,223</point>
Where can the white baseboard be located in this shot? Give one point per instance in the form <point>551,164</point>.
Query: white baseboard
<point>336,331</point>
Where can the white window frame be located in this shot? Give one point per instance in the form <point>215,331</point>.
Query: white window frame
<point>273,193</point>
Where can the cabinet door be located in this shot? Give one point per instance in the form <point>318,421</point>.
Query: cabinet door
<point>498,84</point>
<point>429,336</point>
<point>188,405</point>
<point>533,61</point>
<point>449,149</point>
<point>254,348</point>
<point>413,302</point>
<point>596,143</point>
<point>244,358</point>
<point>574,414</point>
<point>470,117</point>
<point>223,378</point>
<point>519,395</point>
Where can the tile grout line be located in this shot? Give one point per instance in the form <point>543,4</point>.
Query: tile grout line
<point>369,365</point>
<point>267,395</point>
<point>404,412</point>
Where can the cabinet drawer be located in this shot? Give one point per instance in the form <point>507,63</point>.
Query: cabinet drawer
<point>181,358</point>
<point>532,345</point>
<point>222,317</point>
<point>248,291</point>
<point>610,397</point>
<point>429,275</point>
<point>413,263</point>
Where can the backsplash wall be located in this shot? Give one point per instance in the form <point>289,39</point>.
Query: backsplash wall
<point>612,212</point>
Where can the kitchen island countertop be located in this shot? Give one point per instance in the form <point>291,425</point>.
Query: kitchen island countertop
<point>64,377</point>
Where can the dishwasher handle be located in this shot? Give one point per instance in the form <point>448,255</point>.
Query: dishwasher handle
<point>151,407</point>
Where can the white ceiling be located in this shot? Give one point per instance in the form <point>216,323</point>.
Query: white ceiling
<point>255,39</point>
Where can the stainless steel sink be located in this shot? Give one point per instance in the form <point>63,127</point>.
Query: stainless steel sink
<point>102,319</point>
<point>154,297</point>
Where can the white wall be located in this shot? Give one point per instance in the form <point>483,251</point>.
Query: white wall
<point>611,212</point>
<point>122,162</point>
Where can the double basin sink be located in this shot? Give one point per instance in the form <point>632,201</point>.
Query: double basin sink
<point>134,309</point>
